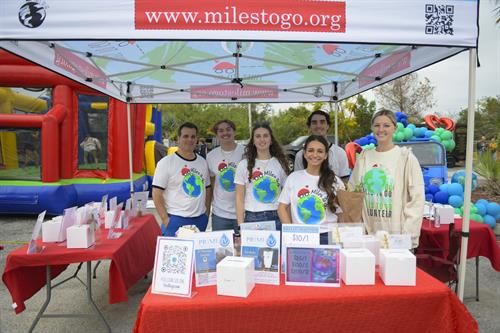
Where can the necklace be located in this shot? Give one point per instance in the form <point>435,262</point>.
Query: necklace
<point>226,155</point>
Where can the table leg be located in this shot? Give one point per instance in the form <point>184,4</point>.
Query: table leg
<point>89,296</point>
<point>95,269</point>
<point>47,300</point>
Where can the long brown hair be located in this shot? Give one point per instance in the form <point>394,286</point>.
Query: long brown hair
<point>275,149</point>
<point>326,175</point>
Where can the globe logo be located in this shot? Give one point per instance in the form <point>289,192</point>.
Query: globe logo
<point>265,189</point>
<point>32,14</point>
<point>310,209</point>
<point>192,184</point>
<point>375,180</point>
<point>226,179</point>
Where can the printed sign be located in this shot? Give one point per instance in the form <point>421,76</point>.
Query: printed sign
<point>313,266</point>
<point>264,247</point>
<point>33,247</point>
<point>173,268</point>
<point>297,235</point>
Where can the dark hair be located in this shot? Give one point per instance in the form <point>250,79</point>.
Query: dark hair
<point>229,122</point>
<point>187,125</point>
<point>319,112</point>
<point>275,149</point>
<point>384,112</point>
<point>326,175</point>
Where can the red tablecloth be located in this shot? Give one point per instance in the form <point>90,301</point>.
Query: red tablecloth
<point>482,240</point>
<point>428,307</point>
<point>132,257</point>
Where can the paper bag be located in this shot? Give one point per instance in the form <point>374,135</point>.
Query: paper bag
<point>351,204</point>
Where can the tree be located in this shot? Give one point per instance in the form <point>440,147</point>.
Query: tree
<point>291,123</point>
<point>486,119</point>
<point>360,110</point>
<point>407,94</point>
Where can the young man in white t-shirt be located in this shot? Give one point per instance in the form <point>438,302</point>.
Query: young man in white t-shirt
<point>180,185</point>
<point>222,163</point>
<point>319,124</point>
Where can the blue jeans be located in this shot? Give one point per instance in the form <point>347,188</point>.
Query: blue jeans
<point>267,215</point>
<point>222,223</point>
<point>178,221</point>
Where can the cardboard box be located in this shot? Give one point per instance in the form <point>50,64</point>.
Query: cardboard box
<point>235,276</point>
<point>80,237</point>
<point>365,241</point>
<point>445,214</point>
<point>357,266</point>
<point>51,231</point>
<point>398,267</point>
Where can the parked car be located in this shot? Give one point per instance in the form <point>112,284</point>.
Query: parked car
<point>293,147</point>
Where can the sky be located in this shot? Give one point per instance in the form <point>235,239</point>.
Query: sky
<point>450,77</point>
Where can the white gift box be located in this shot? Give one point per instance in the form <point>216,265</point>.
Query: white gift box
<point>235,276</point>
<point>357,266</point>
<point>369,242</point>
<point>445,214</point>
<point>80,237</point>
<point>398,267</point>
<point>51,231</point>
<point>109,218</point>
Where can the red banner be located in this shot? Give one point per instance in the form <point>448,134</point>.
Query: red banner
<point>256,15</point>
<point>233,91</point>
<point>385,67</point>
<point>70,62</point>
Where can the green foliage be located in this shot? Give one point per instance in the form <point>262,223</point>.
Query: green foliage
<point>486,119</point>
<point>289,124</point>
<point>489,168</point>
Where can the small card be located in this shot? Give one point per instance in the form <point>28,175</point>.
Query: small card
<point>140,202</point>
<point>33,247</point>
<point>112,234</point>
<point>113,202</point>
<point>297,235</point>
<point>400,241</point>
<point>349,232</point>
<point>264,247</point>
<point>313,266</point>
<point>173,267</point>
<point>263,225</point>
<point>210,249</point>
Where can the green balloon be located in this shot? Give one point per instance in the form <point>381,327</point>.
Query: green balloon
<point>452,145</point>
<point>457,210</point>
<point>461,211</point>
<point>439,130</point>
<point>473,209</point>
<point>476,217</point>
<point>446,135</point>
<point>436,138</point>
<point>408,133</point>
<point>400,127</point>
<point>447,145</point>
<point>400,136</point>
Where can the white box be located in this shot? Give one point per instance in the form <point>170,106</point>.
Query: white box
<point>369,242</point>
<point>235,276</point>
<point>357,266</point>
<point>398,267</point>
<point>445,214</point>
<point>80,237</point>
<point>51,231</point>
<point>109,218</point>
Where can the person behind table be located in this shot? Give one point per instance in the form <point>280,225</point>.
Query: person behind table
<point>391,178</point>
<point>319,124</point>
<point>180,185</point>
<point>310,193</point>
<point>222,163</point>
<point>260,177</point>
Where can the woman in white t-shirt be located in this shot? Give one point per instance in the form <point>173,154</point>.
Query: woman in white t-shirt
<point>309,194</point>
<point>260,177</point>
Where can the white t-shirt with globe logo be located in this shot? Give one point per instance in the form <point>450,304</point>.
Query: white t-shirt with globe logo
<point>308,203</point>
<point>184,183</point>
<point>262,192</point>
<point>222,166</point>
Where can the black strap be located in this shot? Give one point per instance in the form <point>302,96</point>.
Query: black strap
<point>465,234</point>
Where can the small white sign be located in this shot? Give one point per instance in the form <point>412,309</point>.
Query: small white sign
<point>140,202</point>
<point>400,241</point>
<point>173,268</point>
<point>33,247</point>
<point>262,225</point>
<point>349,232</point>
<point>264,247</point>
<point>113,202</point>
<point>295,235</point>
<point>112,234</point>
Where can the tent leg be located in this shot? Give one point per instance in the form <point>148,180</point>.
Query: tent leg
<point>468,171</point>
<point>129,137</point>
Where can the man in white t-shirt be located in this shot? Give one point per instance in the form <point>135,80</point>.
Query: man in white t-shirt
<point>180,185</point>
<point>222,163</point>
<point>319,124</point>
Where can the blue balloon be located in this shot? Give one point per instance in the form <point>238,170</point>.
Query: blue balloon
<point>444,187</point>
<point>428,134</point>
<point>455,189</point>
<point>433,189</point>
<point>490,221</point>
<point>373,141</point>
<point>441,197</point>
<point>481,209</point>
<point>363,142</point>
<point>493,209</point>
<point>482,201</point>
<point>429,197</point>
<point>456,201</point>
<point>412,126</point>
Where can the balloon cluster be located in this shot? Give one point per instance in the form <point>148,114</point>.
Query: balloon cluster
<point>368,140</point>
<point>402,133</point>
<point>453,195</point>
<point>401,118</point>
<point>445,137</point>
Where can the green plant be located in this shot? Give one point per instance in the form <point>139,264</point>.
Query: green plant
<point>489,168</point>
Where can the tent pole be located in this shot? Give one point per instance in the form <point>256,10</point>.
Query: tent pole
<point>468,171</point>
<point>129,139</point>
<point>337,123</point>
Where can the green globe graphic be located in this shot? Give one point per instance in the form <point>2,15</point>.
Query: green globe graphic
<point>310,209</point>
<point>226,179</point>
<point>374,181</point>
<point>192,185</point>
<point>265,189</point>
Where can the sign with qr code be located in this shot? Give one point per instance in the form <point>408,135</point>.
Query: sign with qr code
<point>173,268</point>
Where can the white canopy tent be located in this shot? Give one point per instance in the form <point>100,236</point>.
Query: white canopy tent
<point>227,51</point>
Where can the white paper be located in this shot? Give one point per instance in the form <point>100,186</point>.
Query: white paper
<point>112,203</point>
<point>264,247</point>
<point>297,234</point>
<point>173,267</point>
<point>349,232</point>
<point>400,241</point>
<point>262,225</point>
<point>32,245</point>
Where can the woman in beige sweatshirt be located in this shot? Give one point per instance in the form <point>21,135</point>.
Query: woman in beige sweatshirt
<point>391,178</point>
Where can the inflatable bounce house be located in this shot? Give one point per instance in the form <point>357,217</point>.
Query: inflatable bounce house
<point>63,144</point>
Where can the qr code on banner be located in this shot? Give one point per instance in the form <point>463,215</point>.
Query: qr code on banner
<point>439,19</point>
<point>174,259</point>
